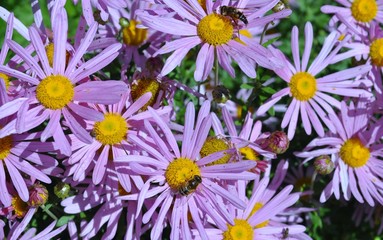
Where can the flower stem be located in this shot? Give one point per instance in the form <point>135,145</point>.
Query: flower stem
<point>45,209</point>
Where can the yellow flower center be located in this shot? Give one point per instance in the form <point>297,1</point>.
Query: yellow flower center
<point>354,153</point>
<point>376,52</point>
<point>249,154</point>
<point>20,207</point>
<point>303,86</point>
<point>5,79</point>
<point>49,49</point>
<point>215,29</point>
<point>213,145</point>
<point>131,35</point>
<point>364,10</point>
<point>241,230</point>
<point>111,130</point>
<point>5,146</point>
<point>180,172</point>
<point>55,92</point>
<point>256,207</point>
<point>143,86</point>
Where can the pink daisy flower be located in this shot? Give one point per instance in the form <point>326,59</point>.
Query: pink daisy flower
<point>22,158</point>
<point>16,230</point>
<point>310,95</point>
<point>356,154</point>
<point>58,90</point>
<point>110,199</point>
<point>356,14</point>
<point>184,181</point>
<point>112,139</point>
<point>258,219</point>
<point>214,33</point>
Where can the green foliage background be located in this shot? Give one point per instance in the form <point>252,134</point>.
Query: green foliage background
<point>332,220</point>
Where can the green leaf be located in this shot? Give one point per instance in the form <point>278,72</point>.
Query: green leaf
<point>268,90</point>
<point>246,86</point>
<point>64,220</point>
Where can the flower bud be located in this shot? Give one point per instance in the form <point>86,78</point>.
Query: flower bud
<point>278,142</point>
<point>61,190</point>
<point>38,195</point>
<point>323,165</point>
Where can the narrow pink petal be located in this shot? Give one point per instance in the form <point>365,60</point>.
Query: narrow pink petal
<point>305,119</point>
<point>12,107</point>
<point>52,125</point>
<point>86,112</point>
<point>289,112</point>
<point>137,105</point>
<point>99,169</point>
<point>23,224</point>
<point>314,119</point>
<point>80,51</point>
<point>4,194</point>
<point>162,24</point>
<point>178,44</point>
<point>196,218</point>
<point>19,75</point>
<point>174,59</point>
<point>224,61</point>
<point>274,99</point>
<point>182,8</point>
<point>229,122</point>
<point>40,50</point>
<point>61,142</point>
<point>204,63</point>
<point>199,137</point>
<point>344,74</point>
<point>17,180</point>
<point>18,25</point>
<point>60,31</point>
<point>188,129</point>
<point>159,142</point>
<point>158,156</point>
<point>76,127</point>
<point>28,169</point>
<point>166,130</point>
<point>295,48</point>
<point>8,35</point>
<point>294,121</point>
<point>158,225</point>
<point>94,92</point>
<point>308,45</point>
<point>215,188</point>
<point>327,192</point>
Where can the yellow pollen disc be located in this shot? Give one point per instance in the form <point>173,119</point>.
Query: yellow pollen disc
<point>5,146</point>
<point>180,171</point>
<point>5,79</point>
<point>256,207</point>
<point>303,86</point>
<point>20,207</point>
<point>213,145</point>
<point>143,86</point>
<point>376,52</point>
<point>49,49</point>
<point>111,130</point>
<point>364,10</point>
<point>241,230</point>
<point>249,154</point>
<point>215,29</point>
<point>131,35</point>
<point>354,153</point>
<point>55,92</point>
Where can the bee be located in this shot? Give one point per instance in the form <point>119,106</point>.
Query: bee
<point>233,13</point>
<point>285,233</point>
<point>190,186</point>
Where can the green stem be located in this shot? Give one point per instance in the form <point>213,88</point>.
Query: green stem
<point>45,209</point>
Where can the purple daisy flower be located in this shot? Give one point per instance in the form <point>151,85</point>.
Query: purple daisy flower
<point>356,14</point>
<point>16,230</point>
<point>214,32</point>
<point>184,181</point>
<point>58,90</point>
<point>258,219</point>
<point>356,154</point>
<point>110,199</point>
<point>21,158</point>
<point>310,95</point>
<point>112,139</point>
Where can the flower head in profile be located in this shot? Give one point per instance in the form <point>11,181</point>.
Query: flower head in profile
<point>182,181</point>
<point>216,33</point>
<point>310,96</point>
<point>58,90</point>
<point>356,154</point>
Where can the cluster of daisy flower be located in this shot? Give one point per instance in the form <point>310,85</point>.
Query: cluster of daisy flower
<point>103,136</point>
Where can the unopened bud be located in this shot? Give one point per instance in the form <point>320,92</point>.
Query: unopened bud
<point>38,195</point>
<point>323,165</point>
<point>61,190</point>
<point>221,94</point>
<point>278,142</point>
